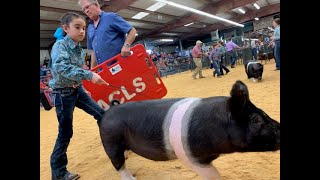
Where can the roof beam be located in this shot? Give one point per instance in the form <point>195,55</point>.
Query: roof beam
<point>212,8</point>
<point>115,6</point>
<point>60,10</point>
<point>250,15</point>
<point>46,21</point>
<point>144,21</point>
<point>47,31</point>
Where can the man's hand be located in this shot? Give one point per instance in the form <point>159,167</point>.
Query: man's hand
<point>125,51</point>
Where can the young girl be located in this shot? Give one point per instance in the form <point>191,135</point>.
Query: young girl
<point>67,61</point>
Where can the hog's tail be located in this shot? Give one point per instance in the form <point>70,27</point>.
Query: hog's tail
<point>114,102</point>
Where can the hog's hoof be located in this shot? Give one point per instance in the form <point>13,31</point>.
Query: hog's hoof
<point>129,178</point>
<point>254,80</point>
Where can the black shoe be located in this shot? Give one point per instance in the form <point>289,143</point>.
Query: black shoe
<point>214,73</point>
<point>227,72</point>
<point>202,77</point>
<point>68,176</point>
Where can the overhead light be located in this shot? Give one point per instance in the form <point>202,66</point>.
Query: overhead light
<point>242,11</point>
<point>140,15</point>
<point>188,24</point>
<point>156,6</point>
<point>199,12</point>
<point>256,5</point>
<point>170,34</point>
<point>166,40</point>
<point>256,18</point>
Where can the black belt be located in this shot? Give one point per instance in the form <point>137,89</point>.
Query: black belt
<point>65,90</point>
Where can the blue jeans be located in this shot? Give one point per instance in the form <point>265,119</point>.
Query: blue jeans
<point>216,66</point>
<point>277,53</point>
<point>254,53</point>
<point>233,57</point>
<point>222,66</point>
<point>66,100</point>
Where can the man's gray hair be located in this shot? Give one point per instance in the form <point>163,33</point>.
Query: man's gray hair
<point>90,1</point>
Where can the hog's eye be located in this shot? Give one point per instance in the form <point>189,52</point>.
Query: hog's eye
<point>255,120</point>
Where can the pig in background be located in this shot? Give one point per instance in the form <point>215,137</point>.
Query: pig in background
<point>194,130</point>
<point>254,70</point>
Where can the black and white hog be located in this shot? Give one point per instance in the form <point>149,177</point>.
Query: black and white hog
<point>194,130</point>
<point>254,70</point>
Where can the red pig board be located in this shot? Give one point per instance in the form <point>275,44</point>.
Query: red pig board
<point>132,78</point>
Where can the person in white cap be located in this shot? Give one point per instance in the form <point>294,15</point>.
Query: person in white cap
<point>197,54</point>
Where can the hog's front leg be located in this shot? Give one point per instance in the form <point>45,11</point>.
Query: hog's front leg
<point>125,174</point>
<point>207,173</point>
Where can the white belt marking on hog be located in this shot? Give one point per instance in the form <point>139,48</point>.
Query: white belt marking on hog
<point>178,140</point>
<point>249,64</point>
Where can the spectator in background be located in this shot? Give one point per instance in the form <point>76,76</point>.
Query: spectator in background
<point>88,61</point>
<point>231,46</point>
<point>43,70</point>
<point>254,49</point>
<point>276,39</point>
<point>222,50</point>
<point>108,34</point>
<point>45,61</point>
<point>197,55</point>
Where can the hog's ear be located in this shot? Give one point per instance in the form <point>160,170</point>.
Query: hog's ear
<point>239,98</point>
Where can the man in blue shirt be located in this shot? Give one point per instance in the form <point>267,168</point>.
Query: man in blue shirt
<point>276,38</point>
<point>108,34</point>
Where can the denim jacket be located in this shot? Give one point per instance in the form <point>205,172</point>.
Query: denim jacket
<point>67,60</point>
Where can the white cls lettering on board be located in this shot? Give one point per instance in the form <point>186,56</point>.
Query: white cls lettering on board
<point>137,82</point>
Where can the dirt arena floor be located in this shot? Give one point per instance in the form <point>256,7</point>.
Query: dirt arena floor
<point>87,157</point>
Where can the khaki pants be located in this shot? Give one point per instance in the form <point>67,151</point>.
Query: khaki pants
<point>198,69</point>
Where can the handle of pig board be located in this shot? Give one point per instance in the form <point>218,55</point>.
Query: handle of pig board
<point>112,61</point>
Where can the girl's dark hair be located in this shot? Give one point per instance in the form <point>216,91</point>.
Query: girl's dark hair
<point>68,17</point>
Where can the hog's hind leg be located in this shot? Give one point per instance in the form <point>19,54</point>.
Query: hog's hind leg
<point>208,172</point>
<point>116,153</point>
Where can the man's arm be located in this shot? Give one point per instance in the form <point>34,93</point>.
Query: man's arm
<point>93,60</point>
<point>125,51</point>
<point>131,36</point>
